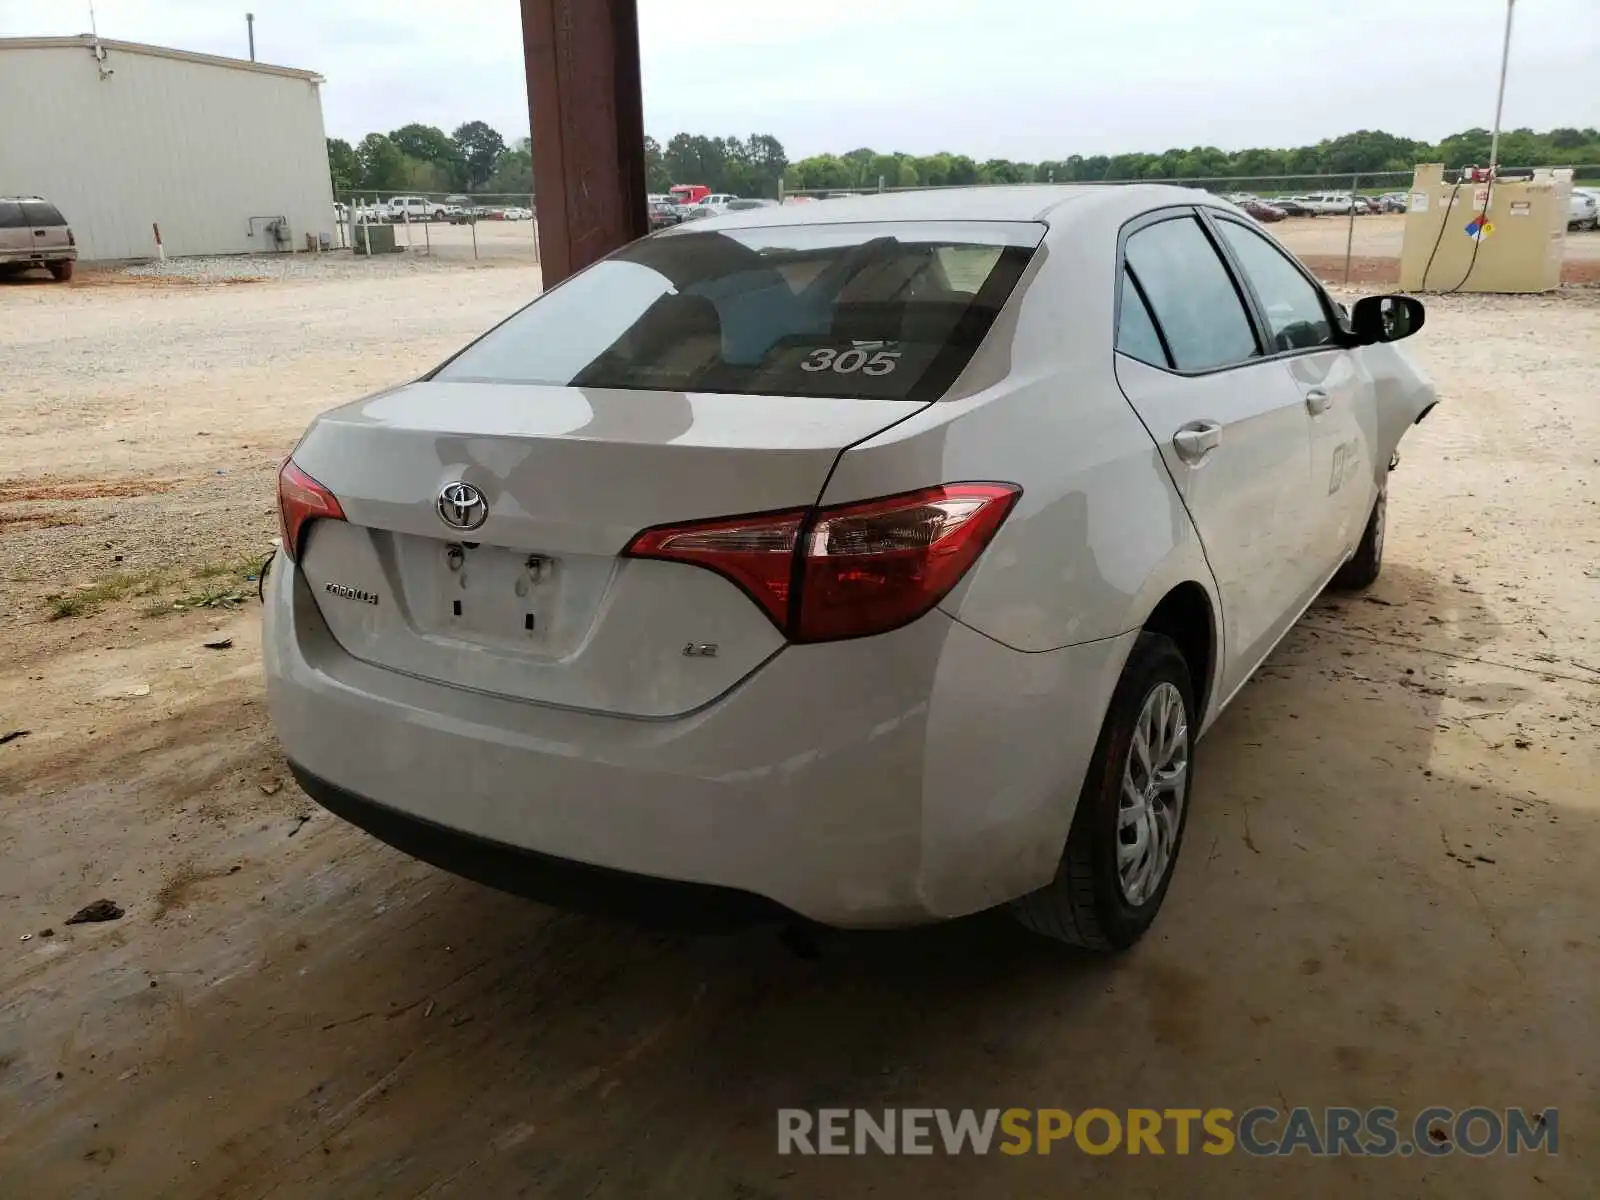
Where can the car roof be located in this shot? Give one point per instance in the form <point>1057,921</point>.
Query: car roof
<point>1018,202</point>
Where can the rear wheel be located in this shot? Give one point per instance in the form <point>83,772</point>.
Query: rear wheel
<point>1129,824</point>
<point>62,271</point>
<point>1362,569</point>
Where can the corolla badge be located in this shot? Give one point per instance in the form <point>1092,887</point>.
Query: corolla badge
<point>349,593</point>
<point>462,506</point>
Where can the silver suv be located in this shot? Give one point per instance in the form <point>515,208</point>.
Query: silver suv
<point>33,233</point>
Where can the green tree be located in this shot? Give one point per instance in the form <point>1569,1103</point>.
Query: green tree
<point>344,168</point>
<point>1469,148</point>
<point>766,160</point>
<point>513,172</point>
<point>858,164</point>
<point>382,165</point>
<point>422,176</point>
<point>962,170</point>
<point>428,144</point>
<point>657,178</point>
<point>1003,170</point>
<point>419,157</point>
<point>480,148</point>
<point>932,169</point>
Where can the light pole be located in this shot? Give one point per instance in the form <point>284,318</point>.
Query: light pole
<point>1500,96</point>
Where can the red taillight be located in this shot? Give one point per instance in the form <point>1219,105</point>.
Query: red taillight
<point>302,499</point>
<point>880,564</point>
<point>861,568</point>
<point>757,553</point>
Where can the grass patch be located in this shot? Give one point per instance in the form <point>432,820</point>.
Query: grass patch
<point>227,583</point>
<point>229,594</point>
<point>239,567</point>
<point>119,585</point>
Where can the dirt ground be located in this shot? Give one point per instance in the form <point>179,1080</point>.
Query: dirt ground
<point>1388,894</point>
<point>1375,248</point>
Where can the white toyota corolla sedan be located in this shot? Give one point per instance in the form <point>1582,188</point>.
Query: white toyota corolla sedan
<point>877,561</point>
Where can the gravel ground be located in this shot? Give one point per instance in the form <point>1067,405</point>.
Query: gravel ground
<point>142,423</point>
<point>1387,895</point>
<point>260,268</point>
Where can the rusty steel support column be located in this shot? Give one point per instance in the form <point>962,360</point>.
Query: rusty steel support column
<point>587,117</point>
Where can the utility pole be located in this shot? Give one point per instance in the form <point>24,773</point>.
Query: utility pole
<point>250,25</point>
<point>1500,97</point>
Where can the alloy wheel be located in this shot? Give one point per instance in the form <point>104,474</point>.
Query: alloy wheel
<point>1155,785</point>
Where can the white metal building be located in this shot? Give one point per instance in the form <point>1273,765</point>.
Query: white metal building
<point>225,156</point>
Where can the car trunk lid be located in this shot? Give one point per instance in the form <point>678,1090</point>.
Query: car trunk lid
<point>535,602</point>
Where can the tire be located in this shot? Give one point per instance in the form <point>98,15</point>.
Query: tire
<point>62,271</point>
<point>1362,569</point>
<point>1087,904</point>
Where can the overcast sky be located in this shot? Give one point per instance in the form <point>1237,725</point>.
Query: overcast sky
<point>1023,79</point>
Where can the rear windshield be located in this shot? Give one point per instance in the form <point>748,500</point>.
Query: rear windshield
<point>878,311</point>
<point>41,213</point>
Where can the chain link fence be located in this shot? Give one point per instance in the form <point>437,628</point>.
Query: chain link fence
<point>1328,220</point>
<point>1348,228</point>
<point>446,226</point>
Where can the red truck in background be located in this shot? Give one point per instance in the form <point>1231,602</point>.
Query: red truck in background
<point>689,193</point>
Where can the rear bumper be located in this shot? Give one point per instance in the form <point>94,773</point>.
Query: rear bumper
<point>556,881</point>
<point>893,780</point>
<point>39,256</point>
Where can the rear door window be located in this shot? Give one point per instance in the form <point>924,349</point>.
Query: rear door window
<point>1191,295</point>
<point>1137,336</point>
<point>11,215</point>
<point>880,311</point>
<point>41,214</point>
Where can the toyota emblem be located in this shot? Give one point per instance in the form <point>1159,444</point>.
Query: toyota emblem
<point>461,506</point>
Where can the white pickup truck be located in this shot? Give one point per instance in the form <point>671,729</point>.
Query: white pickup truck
<point>418,208</point>
<point>1326,204</point>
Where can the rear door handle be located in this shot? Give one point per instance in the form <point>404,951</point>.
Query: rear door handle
<point>1196,440</point>
<point>1317,401</point>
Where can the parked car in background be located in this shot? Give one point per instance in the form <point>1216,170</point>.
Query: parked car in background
<point>1327,204</point>
<point>696,212</point>
<point>33,233</point>
<point>1261,210</point>
<point>669,589</point>
<point>663,213</point>
<point>716,202</point>
<point>1291,206</point>
<point>689,193</point>
<point>417,208</point>
<point>1393,202</point>
<point>1583,211</point>
<point>744,204</point>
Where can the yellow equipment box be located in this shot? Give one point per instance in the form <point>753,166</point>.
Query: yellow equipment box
<point>1517,228</point>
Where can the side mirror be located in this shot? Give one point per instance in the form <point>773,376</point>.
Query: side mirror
<point>1386,318</point>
